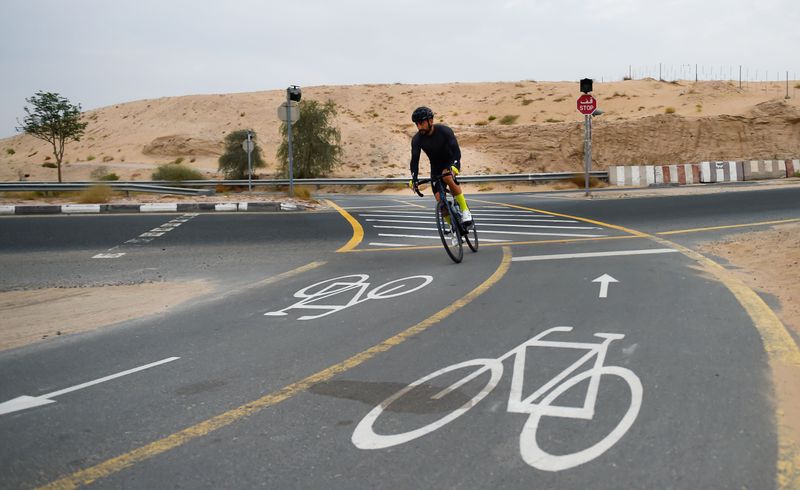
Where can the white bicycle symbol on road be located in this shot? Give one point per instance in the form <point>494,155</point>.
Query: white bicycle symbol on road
<point>365,437</point>
<point>313,295</point>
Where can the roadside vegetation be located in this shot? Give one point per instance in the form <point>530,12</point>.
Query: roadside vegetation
<point>54,119</point>
<point>316,143</point>
<point>174,172</point>
<point>233,162</point>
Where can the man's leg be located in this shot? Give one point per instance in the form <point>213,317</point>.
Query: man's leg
<point>458,195</point>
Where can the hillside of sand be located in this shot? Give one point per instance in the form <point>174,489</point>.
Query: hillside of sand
<point>502,127</point>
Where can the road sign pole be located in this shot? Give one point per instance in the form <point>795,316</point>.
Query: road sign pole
<point>587,149</point>
<point>291,158</point>
<point>249,163</point>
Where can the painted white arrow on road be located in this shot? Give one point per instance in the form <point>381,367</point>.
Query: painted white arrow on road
<point>604,280</point>
<point>25,401</point>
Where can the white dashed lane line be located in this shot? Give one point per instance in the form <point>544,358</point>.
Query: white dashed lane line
<point>146,237</point>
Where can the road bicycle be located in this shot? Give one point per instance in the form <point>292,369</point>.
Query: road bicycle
<point>541,403</point>
<point>455,233</point>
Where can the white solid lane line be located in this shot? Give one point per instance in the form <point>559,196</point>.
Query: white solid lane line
<point>492,220</point>
<point>593,254</point>
<point>25,401</point>
<point>558,227</point>
<point>501,232</point>
<point>432,237</point>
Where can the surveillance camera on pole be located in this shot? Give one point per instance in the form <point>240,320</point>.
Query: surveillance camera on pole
<point>288,112</point>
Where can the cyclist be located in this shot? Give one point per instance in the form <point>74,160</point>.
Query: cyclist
<point>439,143</point>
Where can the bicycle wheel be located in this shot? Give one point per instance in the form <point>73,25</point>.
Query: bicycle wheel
<point>538,458</point>
<point>365,437</point>
<point>471,235</point>
<point>452,241</point>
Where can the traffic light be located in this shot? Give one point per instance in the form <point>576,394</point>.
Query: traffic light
<point>586,85</point>
<point>294,93</point>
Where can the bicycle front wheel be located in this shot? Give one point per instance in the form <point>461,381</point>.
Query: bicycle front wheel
<point>452,240</point>
<point>471,235</point>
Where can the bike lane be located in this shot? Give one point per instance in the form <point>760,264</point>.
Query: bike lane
<point>306,440</point>
<point>232,355</point>
<point>703,408</point>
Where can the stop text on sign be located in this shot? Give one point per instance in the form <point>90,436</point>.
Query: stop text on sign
<point>586,104</point>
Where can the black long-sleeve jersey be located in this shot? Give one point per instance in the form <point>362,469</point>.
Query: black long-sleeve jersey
<point>441,148</point>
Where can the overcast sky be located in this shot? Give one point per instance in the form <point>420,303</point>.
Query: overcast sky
<point>102,52</point>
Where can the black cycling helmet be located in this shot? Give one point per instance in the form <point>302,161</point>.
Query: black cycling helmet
<point>421,114</point>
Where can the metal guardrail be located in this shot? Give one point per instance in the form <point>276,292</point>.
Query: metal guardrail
<point>118,186</point>
<point>187,187</point>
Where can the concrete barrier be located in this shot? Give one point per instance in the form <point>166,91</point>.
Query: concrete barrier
<point>763,169</point>
<point>792,167</point>
<point>711,172</point>
<point>685,173</point>
<point>631,175</point>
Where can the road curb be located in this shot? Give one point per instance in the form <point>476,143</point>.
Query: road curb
<point>25,209</point>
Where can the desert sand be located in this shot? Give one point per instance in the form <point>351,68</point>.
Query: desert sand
<point>524,126</point>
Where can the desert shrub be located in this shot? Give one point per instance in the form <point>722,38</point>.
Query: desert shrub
<point>95,194</point>
<point>797,174</point>
<point>526,101</point>
<point>107,158</point>
<point>233,162</point>
<point>49,165</point>
<point>176,171</point>
<point>625,79</point>
<point>491,118</point>
<point>178,160</point>
<point>302,192</point>
<point>699,107</point>
<point>109,177</point>
<point>669,110</point>
<point>316,141</point>
<point>90,158</point>
<point>509,119</point>
<point>481,123</point>
<point>560,99</point>
<point>551,120</point>
<point>10,151</point>
<point>579,180</point>
<point>797,85</point>
<point>485,188</point>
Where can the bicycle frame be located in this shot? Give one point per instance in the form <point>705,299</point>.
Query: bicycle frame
<point>515,402</point>
<point>439,187</point>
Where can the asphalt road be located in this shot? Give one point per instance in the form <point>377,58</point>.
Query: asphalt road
<point>312,368</point>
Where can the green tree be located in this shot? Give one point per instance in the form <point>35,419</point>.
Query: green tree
<point>315,143</point>
<point>233,163</point>
<point>54,119</point>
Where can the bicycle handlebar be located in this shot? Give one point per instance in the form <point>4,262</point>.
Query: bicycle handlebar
<point>425,181</point>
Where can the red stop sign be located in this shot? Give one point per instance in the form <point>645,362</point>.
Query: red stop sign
<point>586,104</point>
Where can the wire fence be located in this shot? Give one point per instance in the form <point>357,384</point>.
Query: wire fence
<point>779,82</point>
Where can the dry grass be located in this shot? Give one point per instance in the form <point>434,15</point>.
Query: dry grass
<point>95,194</point>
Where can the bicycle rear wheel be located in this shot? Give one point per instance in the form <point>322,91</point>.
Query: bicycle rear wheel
<point>451,241</point>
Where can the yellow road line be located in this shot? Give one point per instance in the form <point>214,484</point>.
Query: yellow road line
<point>782,352</point>
<point>712,228</point>
<point>119,463</point>
<point>358,231</point>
